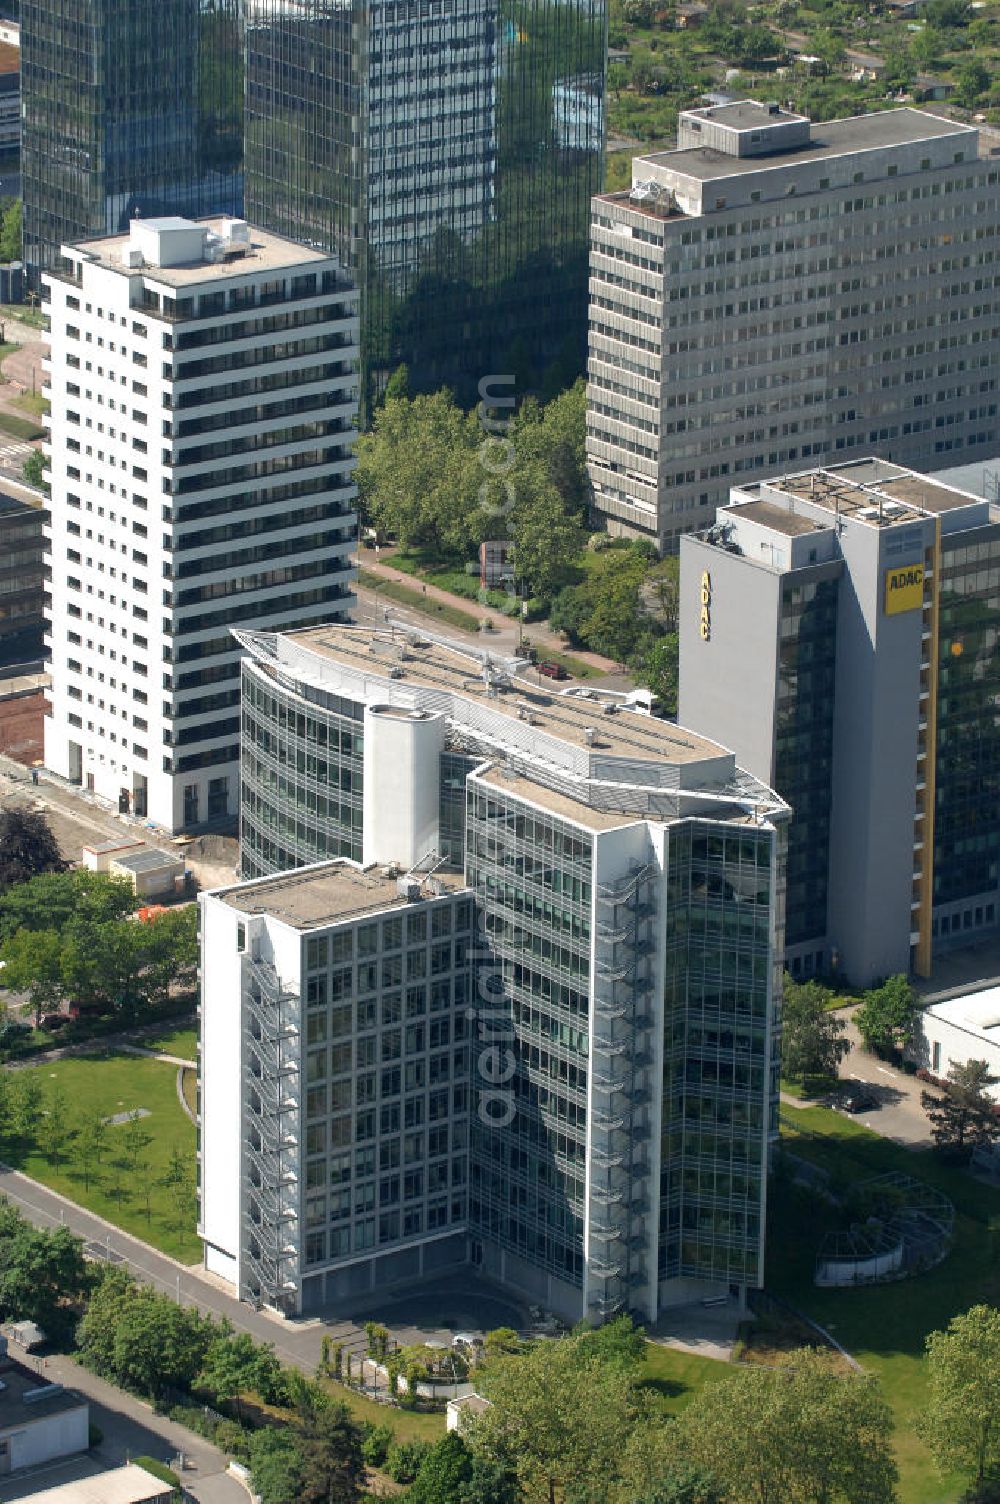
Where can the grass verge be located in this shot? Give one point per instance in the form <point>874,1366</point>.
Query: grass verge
<point>884,1326</point>
<point>407,1425</point>
<point>117,1188</point>
<point>405,595</point>
<point>180,1042</point>
<point>20,428</point>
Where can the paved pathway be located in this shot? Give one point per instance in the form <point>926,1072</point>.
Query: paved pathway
<point>538,632</point>
<point>298,1343</point>
<point>130,1428</point>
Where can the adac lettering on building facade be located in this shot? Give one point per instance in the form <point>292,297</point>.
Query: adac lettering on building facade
<point>904,588</point>
<point>705,620</point>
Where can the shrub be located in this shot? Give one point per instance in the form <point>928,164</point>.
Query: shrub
<point>232,1438</point>
<point>158,1470</point>
<point>375,1443</point>
<point>403,1460</point>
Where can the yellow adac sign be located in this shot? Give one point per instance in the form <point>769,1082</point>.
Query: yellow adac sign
<point>904,588</point>
<point>705,623</point>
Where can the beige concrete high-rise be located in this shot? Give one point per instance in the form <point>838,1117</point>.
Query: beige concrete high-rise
<point>774,293</point>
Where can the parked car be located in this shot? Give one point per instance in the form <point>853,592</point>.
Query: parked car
<point>858,1100</point>
<point>552,670</point>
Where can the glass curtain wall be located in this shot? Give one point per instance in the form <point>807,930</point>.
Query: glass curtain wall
<point>803,751</point>
<point>531,877</point>
<point>718,1017</point>
<point>967,801</point>
<point>128,107</point>
<point>448,153</point>
<point>301,779</point>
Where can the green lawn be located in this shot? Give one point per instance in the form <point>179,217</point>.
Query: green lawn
<point>407,1425</point>
<point>406,595</point>
<point>114,1084</point>
<point>180,1042</point>
<point>675,1377</point>
<point>20,428</point>
<point>884,1326</point>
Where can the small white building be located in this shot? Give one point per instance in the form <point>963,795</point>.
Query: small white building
<point>467,1404</point>
<point>130,1484</point>
<point>39,1422</point>
<point>152,874</point>
<point>960,1029</point>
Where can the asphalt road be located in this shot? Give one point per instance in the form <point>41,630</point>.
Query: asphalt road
<point>298,1343</point>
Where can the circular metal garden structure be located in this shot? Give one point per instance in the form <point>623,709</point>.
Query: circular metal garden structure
<point>908,1229</point>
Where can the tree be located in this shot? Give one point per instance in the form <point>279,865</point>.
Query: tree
<point>558,1416</point>
<point>415,472</point>
<point>142,1340</point>
<point>10,231</point>
<point>135,1138</point>
<point>445,1473</point>
<point>964,1118</point>
<point>398,384</point>
<point>332,1465</point>
<point>53,900</point>
<point>27,846</point>
<point>25,1105</point>
<point>659,671</point>
<point>276,1465</point>
<point>887,1016</point>
<point>33,470</point>
<point>795,1431</point>
<point>41,1273</point>
<point>813,1039</point>
<point>53,1127</point>
<point>974,80</point>
<point>89,1141</point>
<point>178,1178</point>
<point>235,1364</point>
<point>961,1420</point>
<point>32,965</point>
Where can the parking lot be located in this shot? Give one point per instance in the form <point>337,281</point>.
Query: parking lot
<point>898,1115</point>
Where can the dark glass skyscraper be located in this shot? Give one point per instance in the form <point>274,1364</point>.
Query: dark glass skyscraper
<point>129,106</point>
<point>447,150</point>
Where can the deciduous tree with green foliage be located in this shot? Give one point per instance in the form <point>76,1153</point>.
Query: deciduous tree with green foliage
<point>813,1039</point>
<point>887,1015</point>
<point>963,1118</point>
<point>798,1430</point>
<point>142,1340</point>
<point>961,1419</point>
<point>42,1274</point>
<point>276,1465</point>
<point>559,1415</point>
<point>10,231</point>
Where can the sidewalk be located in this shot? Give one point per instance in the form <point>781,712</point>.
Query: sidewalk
<point>130,1428</point>
<point>539,632</point>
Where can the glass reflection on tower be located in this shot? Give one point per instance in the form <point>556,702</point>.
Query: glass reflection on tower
<point>448,150</point>
<point>128,107</point>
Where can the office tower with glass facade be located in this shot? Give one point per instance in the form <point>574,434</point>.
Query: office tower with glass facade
<point>618,887</point>
<point>202,382</point>
<point>840,629</point>
<point>775,293</point>
<point>127,109</point>
<point>447,153</point>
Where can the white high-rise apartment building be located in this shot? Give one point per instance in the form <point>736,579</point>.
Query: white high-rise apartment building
<point>203,390</point>
<point>774,293</point>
